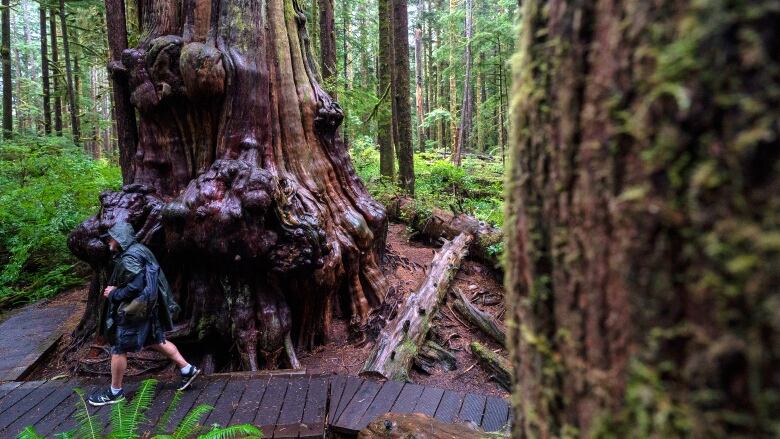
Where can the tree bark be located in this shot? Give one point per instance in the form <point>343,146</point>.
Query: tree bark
<point>384,110</point>
<point>56,73</point>
<point>401,93</point>
<point>5,50</point>
<point>241,186</point>
<point>74,114</point>
<point>327,41</point>
<point>45,73</point>
<point>642,201</point>
<point>123,111</point>
<point>453,89</point>
<point>401,338</point>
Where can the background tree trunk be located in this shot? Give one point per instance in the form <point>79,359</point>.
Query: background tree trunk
<point>418,76</point>
<point>70,90</point>
<point>45,73</point>
<point>327,41</point>
<point>384,111</point>
<point>642,210</point>
<point>453,87</point>
<point>241,185</point>
<point>56,73</point>
<point>402,110</point>
<point>466,118</point>
<point>123,111</point>
<point>5,50</point>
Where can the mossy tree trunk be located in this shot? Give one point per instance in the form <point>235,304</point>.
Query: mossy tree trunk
<point>643,219</point>
<point>241,185</point>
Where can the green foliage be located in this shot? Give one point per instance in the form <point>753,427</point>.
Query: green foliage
<point>127,417</point>
<point>475,188</point>
<point>47,186</point>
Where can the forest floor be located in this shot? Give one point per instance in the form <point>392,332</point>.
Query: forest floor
<point>406,271</point>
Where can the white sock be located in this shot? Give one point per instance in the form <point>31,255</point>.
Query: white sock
<point>186,369</point>
<point>114,391</point>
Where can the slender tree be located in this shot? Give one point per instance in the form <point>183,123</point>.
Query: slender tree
<point>70,90</point>
<point>452,33</point>
<point>418,76</point>
<point>5,50</point>
<point>644,189</point>
<point>45,72</point>
<point>402,111</point>
<point>56,73</point>
<point>327,41</point>
<point>466,117</point>
<point>384,107</point>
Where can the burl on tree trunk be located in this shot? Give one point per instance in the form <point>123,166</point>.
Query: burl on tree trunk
<point>241,185</point>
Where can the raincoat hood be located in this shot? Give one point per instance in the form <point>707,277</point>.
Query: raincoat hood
<point>123,233</point>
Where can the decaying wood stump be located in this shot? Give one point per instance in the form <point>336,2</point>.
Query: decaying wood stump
<point>496,365</point>
<point>401,338</point>
<point>240,183</point>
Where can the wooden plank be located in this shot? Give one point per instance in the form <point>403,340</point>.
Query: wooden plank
<point>162,399</point>
<point>429,401</point>
<point>496,414</point>
<point>349,419</point>
<point>313,419</point>
<point>187,402</point>
<point>59,415</point>
<point>37,413</point>
<point>449,406</point>
<point>289,421</point>
<point>15,396</point>
<point>6,388</point>
<point>384,400</point>
<point>26,404</point>
<point>351,387</point>
<point>472,408</point>
<point>227,403</point>
<point>250,401</point>
<point>407,399</point>
<point>335,389</point>
<point>271,404</point>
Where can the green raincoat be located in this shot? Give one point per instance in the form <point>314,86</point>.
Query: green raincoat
<point>129,277</point>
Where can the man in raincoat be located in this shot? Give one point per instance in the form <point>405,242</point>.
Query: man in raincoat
<point>137,312</point>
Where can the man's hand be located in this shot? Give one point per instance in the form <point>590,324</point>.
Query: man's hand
<point>108,290</point>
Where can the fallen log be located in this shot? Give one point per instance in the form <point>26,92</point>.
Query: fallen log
<point>419,425</point>
<point>431,354</point>
<point>439,223</point>
<point>401,338</point>
<point>482,320</point>
<point>494,364</point>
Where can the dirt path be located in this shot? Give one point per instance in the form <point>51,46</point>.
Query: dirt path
<point>405,271</point>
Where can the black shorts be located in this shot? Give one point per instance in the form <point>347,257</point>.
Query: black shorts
<point>136,337</point>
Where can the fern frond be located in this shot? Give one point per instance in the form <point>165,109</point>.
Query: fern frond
<point>64,435</point>
<point>191,422</point>
<point>87,427</point>
<point>243,431</point>
<point>136,410</point>
<point>118,421</point>
<point>165,419</point>
<point>29,433</point>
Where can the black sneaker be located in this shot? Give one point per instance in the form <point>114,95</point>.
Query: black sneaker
<point>105,397</point>
<point>188,378</point>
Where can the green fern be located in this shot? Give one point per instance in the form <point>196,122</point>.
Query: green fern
<point>165,419</point>
<point>64,435</point>
<point>135,414</point>
<point>87,427</point>
<point>118,418</point>
<point>29,433</point>
<point>191,423</point>
<point>244,431</point>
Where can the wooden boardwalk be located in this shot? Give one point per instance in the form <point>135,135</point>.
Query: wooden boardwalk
<point>283,406</point>
<point>26,336</point>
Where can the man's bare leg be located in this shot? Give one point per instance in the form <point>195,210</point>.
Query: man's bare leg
<point>118,367</point>
<point>170,350</point>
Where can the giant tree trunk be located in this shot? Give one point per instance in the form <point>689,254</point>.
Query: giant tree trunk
<point>241,185</point>
<point>5,51</point>
<point>642,219</point>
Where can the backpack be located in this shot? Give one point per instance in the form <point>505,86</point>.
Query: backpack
<point>143,306</point>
